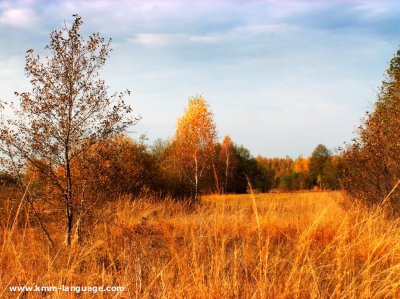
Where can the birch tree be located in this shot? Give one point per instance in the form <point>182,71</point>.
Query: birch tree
<point>227,153</point>
<point>67,111</point>
<point>194,143</point>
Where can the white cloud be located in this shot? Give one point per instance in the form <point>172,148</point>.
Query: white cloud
<point>18,17</point>
<point>203,38</point>
<point>157,39</point>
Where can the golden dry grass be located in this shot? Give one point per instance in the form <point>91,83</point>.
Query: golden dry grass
<point>299,245</point>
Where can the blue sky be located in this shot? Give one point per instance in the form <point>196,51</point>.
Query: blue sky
<point>280,76</point>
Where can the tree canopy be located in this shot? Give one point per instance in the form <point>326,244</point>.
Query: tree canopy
<point>194,143</point>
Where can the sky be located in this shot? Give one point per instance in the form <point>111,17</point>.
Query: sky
<point>280,76</point>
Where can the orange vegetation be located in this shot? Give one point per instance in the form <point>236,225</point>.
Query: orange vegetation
<point>298,245</point>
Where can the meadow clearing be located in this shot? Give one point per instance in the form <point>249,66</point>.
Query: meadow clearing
<point>283,245</point>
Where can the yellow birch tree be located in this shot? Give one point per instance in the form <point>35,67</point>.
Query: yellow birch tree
<point>194,143</point>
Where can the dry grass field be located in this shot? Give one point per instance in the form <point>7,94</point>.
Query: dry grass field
<point>298,245</point>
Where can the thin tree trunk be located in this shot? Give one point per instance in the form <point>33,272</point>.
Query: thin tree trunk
<point>217,189</point>
<point>68,198</point>
<point>226,171</point>
<point>196,181</point>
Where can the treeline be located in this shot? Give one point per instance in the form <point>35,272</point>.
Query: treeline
<point>320,171</point>
<point>124,166</point>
